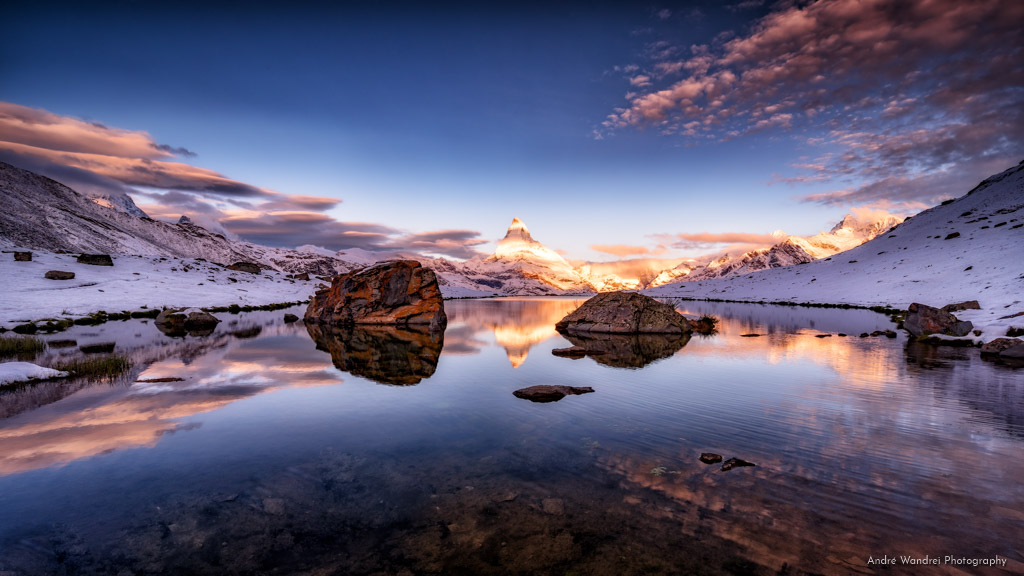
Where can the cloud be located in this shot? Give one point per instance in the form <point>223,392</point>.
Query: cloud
<point>620,249</point>
<point>93,158</point>
<point>918,97</point>
<point>663,14</point>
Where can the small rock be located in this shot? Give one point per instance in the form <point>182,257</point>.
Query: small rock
<point>159,380</point>
<point>822,335</point>
<point>922,320</point>
<point>864,334</point>
<point>995,347</point>
<point>966,305</point>
<point>95,259</point>
<point>248,267</point>
<point>735,463</point>
<point>289,318</point>
<point>710,458</point>
<point>59,275</point>
<point>952,235</point>
<point>553,506</point>
<point>303,276</point>
<point>548,393</point>
<point>749,335</point>
<point>22,256</point>
<point>574,352</point>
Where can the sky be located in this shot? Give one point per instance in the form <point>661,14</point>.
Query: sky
<point>614,130</point>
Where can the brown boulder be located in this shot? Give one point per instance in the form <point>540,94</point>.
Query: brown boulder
<point>548,393</point>
<point>303,276</point>
<point>384,354</point>
<point>249,267</point>
<point>59,275</point>
<point>399,293</point>
<point>995,347</point>
<point>574,352</point>
<point>624,313</point>
<point>966,305</point>
<point>96,259</point>
<point>22,256</point>
<point>922,320</point>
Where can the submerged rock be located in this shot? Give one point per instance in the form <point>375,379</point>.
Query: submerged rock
<point>710,458</point>
<point>95,259</point>
<point>549,393</point>
<point>624,313</point>
<point>735,463</point>
<point>923,319</point>
<point>398,293</point>
<point>59,275</point>
<point>574,352</point>
<point>384,354</point>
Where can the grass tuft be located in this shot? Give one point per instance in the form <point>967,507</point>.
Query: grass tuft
<point>101,368</point>
<point>706,325</point>
<point>21,345</point>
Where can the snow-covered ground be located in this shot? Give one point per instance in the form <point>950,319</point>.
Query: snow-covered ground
<point>132,283</point>
<point>968,249</point>
<point>11,372</point>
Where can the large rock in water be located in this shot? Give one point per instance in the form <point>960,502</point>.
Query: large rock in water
<point>922,319</point>
<point>624,313</point>
<point>397,293</point>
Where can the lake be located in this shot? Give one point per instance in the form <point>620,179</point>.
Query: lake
<point>265,447</point>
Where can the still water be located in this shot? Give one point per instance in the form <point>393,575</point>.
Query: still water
<point>277,449</point>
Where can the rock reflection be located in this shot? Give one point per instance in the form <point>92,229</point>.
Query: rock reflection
<point>628,350</point>
<point>384,354</point>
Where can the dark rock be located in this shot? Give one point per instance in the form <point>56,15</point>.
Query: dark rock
<point>104,348</point>
<point>1014,331</point>
<point>996,346</point>
<point>822,335</point>
<point>922,320</point>
<point>59,275</point>
<point>289,318</point>
<point>62,343</point>
<point>574,352</point>
<point>553,506</point>
<point>303,276</point>
<point>1013,352</point>
<point>160,380</point>
<point>749,335</point>
<point>967,305</point>
<point>624,313</point>
<point>628,350</point>
<point>864,334</point>
<point>95,259</point>
<point>385,354</point>
<point>710,458</point>
<point>549,393</point>
<point>248,267</point>
<point>735,463</point>
<point>22,256</point>
<point>952,235</point>
<point>187,321</point>
<point>397,293</point>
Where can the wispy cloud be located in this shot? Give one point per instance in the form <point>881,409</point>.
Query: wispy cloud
<point>915,99</point>
<point>91,157</point>
<point>621,250</point>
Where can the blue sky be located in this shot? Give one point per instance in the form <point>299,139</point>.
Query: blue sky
<point>597,124</point>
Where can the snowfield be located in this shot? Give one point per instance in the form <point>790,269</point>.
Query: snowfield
<point>133,282</point>
<point>969,249</point>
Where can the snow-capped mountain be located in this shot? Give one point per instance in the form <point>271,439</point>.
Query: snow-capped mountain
<point>965,249</point>
<point>42,214</point>
<point>848,233</point>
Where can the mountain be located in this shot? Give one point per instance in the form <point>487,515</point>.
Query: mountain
<point>965,249</point>
<point>42,214</point>
<point>848,233</point>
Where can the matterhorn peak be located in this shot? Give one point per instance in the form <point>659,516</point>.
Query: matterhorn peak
<point>518,231</point>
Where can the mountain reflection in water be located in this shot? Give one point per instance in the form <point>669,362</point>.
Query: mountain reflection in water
<point>271,456</point>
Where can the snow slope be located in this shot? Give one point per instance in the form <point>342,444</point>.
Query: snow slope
<point>132,283</point>
<point>971,248</point>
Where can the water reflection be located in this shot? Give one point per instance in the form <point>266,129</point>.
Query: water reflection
<point>384,354</point>
<point>628,350</point>
<point>863,447</point>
